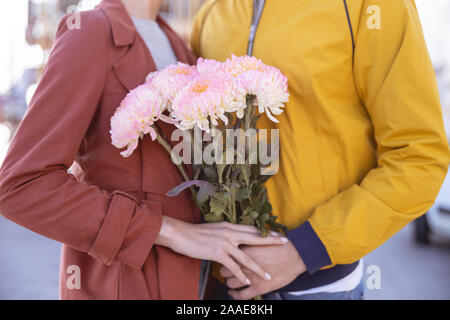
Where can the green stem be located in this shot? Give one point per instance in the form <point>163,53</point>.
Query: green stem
<point>248,115</point>
<point>197,172</point>
<point>168,148</point>
<point>228,216</point>
<point>238,123</point>
<point>229,169</point>
<point>233,205</point>
<point>191,135</point>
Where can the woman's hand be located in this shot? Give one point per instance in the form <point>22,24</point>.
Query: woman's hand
<point>217,242</point>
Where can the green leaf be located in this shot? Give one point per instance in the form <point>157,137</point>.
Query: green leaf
<point>221,163</point>
<point>222,197</point>
<point>245,173</point>
<point>266,208</point>
<point>217,207</point>
<point>242,194</point>
<point>278,227</point>
<point>247,220</point>
<point>256,188</point>
<point>206,190</point>
<point>254,214</point>
<point>211,217</point>
<point>238,192</point>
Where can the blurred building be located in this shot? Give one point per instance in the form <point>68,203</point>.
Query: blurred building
<point>43,19</point>
<point>436,28</point>
<point>27,31</point>
<point>39,28</point>
<point>180,14</point>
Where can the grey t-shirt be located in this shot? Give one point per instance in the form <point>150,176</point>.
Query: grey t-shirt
<point>157,42</point>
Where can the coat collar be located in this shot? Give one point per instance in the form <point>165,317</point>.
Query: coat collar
<point>123,29</point>
<point>125,33</point>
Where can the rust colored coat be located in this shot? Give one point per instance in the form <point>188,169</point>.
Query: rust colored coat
<point>107,211</point>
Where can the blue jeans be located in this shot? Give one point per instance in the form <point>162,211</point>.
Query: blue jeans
<point>220,292</point>
<point>355,294</point>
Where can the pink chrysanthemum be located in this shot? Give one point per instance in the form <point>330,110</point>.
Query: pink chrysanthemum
<point>267,83</point>
<point>210,66</point>
<point>171,79</point>
<point>135,117</point>
<point>205,99</point>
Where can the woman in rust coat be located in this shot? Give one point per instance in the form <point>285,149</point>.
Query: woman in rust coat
<point>126,238</point>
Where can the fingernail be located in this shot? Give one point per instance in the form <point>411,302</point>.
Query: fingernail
<point>284,240</point>
<point>275,234</point>
<point>247,281</point>
<point>267,276</point>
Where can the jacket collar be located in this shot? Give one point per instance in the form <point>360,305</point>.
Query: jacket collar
<point>125,33</point>
<point>123,29</point>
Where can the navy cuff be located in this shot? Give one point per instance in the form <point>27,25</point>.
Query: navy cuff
<point>309,246</point>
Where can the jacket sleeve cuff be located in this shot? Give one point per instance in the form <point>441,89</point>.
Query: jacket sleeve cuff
<point>141,234</point>
<point>310,247</point>
<point>128,232</point>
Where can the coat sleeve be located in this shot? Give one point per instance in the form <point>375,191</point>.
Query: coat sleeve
<point>396,82</point>
<point>37,192</point>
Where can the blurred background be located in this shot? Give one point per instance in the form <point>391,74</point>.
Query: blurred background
<point>414,264</point>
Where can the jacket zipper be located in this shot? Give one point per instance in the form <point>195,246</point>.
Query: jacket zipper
<point>258,8</point>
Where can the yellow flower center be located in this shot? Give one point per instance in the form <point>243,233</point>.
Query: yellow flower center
<point>237,70</point>
<point>200,87</point>
<point>183,71</point>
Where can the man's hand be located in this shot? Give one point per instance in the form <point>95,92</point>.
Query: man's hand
<point>283,263</point>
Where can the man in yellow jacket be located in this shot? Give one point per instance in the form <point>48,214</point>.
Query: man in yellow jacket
<point>363,148</point>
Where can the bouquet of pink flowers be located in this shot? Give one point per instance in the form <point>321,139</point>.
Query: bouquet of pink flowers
<point>215,106</point>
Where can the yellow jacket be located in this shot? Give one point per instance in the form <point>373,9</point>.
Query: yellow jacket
<point>363,148</point>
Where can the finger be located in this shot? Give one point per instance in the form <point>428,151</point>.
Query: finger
<point>276,234</point>
<point>249,263</point>
<point>225,272</point>
<point>235,270</point>
<point>233,227</point>
<point>234,283</point>
<point>244,294</point>
<point>258,240</point>
<point>243,228</point>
